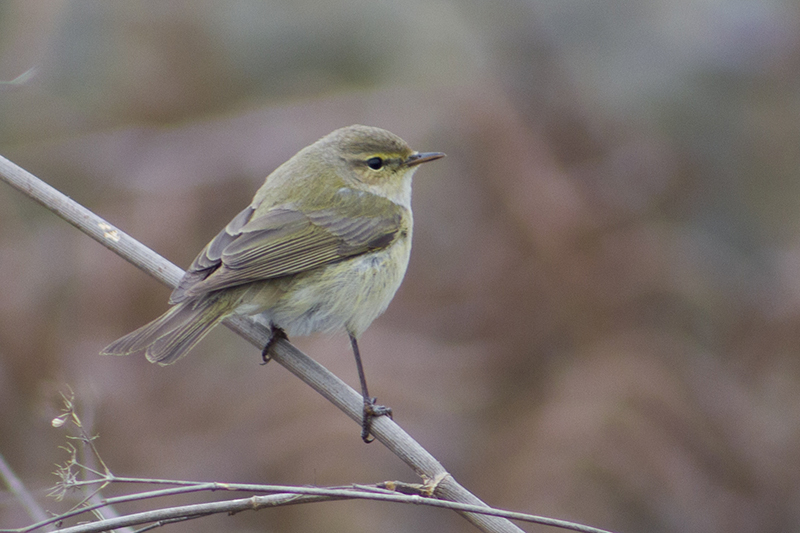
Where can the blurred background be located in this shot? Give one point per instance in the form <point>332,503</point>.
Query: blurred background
<point>601,318</point>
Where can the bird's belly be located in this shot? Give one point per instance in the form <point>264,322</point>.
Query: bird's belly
<point>348,295</point>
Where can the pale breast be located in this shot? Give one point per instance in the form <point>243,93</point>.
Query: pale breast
<point>348,295</point>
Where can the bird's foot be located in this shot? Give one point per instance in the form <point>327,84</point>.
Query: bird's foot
<point>371,410</point>
<point>277,333</point>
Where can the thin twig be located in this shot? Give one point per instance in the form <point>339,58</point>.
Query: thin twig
<point>19,81</point>
<point>278,495</point>
<point>92,502</point>
<point>18,489</point>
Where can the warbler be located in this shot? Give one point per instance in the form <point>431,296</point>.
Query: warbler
<point>323,247</point>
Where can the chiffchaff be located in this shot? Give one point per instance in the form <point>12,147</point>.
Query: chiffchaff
<point>322,247</point>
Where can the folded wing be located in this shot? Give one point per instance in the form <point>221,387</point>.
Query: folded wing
<point>284,241</point>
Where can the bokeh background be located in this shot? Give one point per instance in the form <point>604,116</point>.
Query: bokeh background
<point>601,318</point>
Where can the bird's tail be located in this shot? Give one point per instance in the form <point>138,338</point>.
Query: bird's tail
<point>170,336</point>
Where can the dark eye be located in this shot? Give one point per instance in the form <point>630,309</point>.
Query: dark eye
<point>375,163</point>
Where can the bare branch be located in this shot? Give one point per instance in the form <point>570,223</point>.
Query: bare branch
<point>18,489</point>
<point>19,81</point>
<point>278,495</point>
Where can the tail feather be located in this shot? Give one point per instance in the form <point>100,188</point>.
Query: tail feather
<point>171,336</point>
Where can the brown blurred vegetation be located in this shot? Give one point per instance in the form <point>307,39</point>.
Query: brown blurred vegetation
<point>601,319</point>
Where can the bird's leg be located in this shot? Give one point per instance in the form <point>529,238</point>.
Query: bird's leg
<point>371,410</point>
<point>277,333</point>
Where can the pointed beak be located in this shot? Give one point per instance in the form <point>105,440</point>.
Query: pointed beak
<point>422,157</point>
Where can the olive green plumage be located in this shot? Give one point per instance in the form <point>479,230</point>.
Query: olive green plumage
<point>323,247</point>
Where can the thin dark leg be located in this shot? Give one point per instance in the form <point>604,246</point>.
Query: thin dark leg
<point>277,333</point>
<point>371,410</point>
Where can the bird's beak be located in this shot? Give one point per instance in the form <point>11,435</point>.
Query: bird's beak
<point>422,157</point>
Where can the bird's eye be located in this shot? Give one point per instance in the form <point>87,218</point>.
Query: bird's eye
<point>375,163</point>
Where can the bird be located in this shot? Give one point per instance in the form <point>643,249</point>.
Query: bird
<point>323,247</point>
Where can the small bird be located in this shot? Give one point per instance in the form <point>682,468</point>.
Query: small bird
<point>323,247</point>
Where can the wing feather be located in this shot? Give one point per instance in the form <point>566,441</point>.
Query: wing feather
<point>284,241</point>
